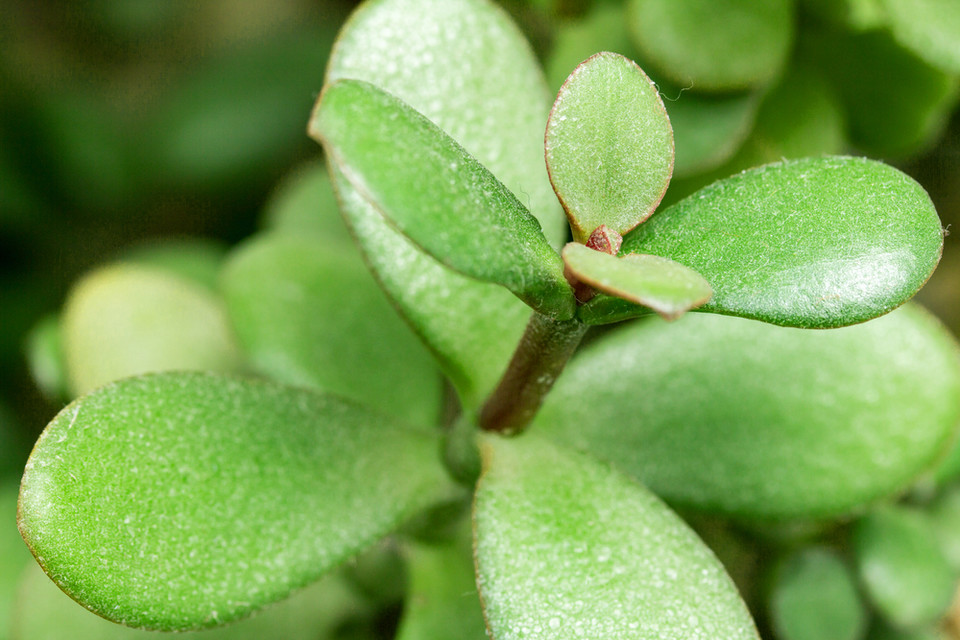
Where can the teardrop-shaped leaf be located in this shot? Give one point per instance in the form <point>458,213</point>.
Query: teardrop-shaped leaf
<point>125,320</point>
<point>436,194</point>
<point>930,28</point>
<point>667,287</point>
<point>720,45</point>
<point>310,314</point>
<point>740,417</point>
<point>467,67</point>
<point>903,569</point>
<point>316,612</point>
<point>818,242</point>
<point>442,603</point>
<point>179,501</point>
<point>567,547</point>
<point>609,146</point>
<point>814,597</point>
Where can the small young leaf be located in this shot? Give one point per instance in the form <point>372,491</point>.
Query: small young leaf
<point>819,242</point>
<point>125,320</point>
<point>743,418</point>
<point>904,571</point>
<point>187,500</point>
<point>609,146</point>
<point>663,285</point>
<point>815,597</point>
<point>438,195</point>
<point>308,313</point>
<point>721,45</point>
<point>568,548</point>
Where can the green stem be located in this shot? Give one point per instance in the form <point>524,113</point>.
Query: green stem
<point>544,350</point>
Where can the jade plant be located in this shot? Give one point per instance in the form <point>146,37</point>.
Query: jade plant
<point>520,447</point>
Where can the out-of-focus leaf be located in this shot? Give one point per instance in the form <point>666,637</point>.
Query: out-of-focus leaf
<point>197,259</point>
<point>609,146</point>
<point>124,320</point>
<point>818,242</point>
<point>944,515</point>
<point>903,569</point>
<point>187,500</point>
<point>442,603</point>
<point>708,130</point>
<point>720,45</point>
<point>567,547</point>
<point>815,597</point>
<point>307,312</point>
<point>436,194</point>
<point>739,417</point>
<point>603,28</point>
<point>305,203</point>
<point>929,28</point>
<point>663,285</point>
<point>14,556</point>
<point>44,353</point>
<point>467,67</point>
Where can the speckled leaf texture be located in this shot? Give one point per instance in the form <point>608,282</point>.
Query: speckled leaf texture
<point>815,243</point>
<point>186,500</point>
<point>667,287</point>
<point>438,195</point>
<point>609,146</point>
<point>568,548</point>
<point>469,69</point>
<point>738,417</point>
<point>307,312</point>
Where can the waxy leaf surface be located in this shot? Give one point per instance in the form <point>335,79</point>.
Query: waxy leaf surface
<point>310,314</point>
<point>467,67</point>
<point>720,45</point>
<point>667,287</point>
<point>180,501</point>
<point>568,548</point>
<point>735,416</point>
<point>609,146</point>
<point>439,196</point>
<point>818,242</point>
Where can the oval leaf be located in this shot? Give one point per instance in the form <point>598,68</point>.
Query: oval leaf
<point>567,547</point>
<point>438,195</point>
<point>904,571</point>
<point>930,28</point>
<point>125,320</point>
<point>819,242</point>
<point>721,45</point>
<point>310,314</point>
<point>609,146</point>
<point>467,67</point>
<point>179,501</point>
<point>734,416</point>
<point>667,287</point>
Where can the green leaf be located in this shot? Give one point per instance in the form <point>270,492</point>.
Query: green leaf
<point>305,203</point>
<point>815,597</point>
<point>930,28</point>
<point>567,547</point>
<point>609,146</point>
<point>196,259</point>
<point>708,129</point>
<point>467,67</point>
<point>442,603</point>
<point>740,417</point>
<point>721,45</point>
<point>14,557</point>
<point>44,355</point>
<point>309,313</point>
<point>944,515</point>
<point>436,194</point>
<point>903,569</point>
<point>313,613</point>
<point>125,320</point>
<point>896,103</point>
<point>181,501</point>
<point>602,28</point>
<point>819,242</point>
<point>663,285</point>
